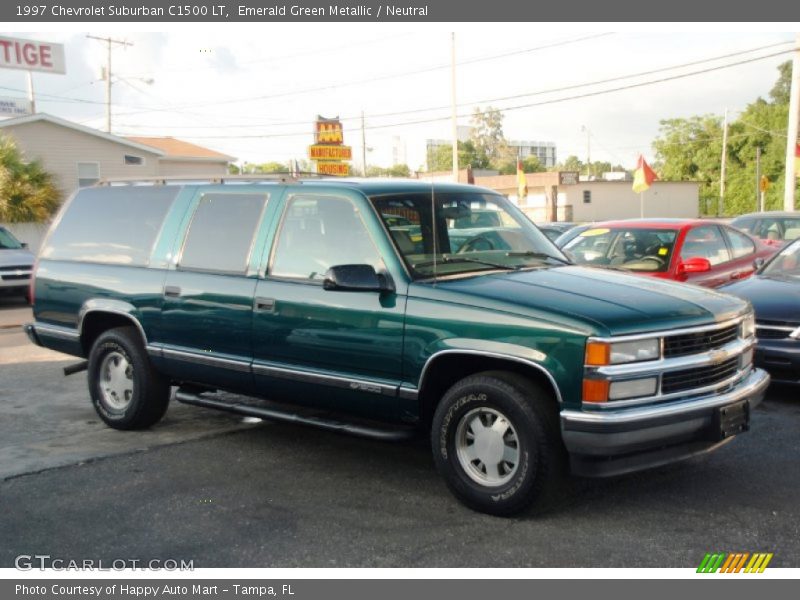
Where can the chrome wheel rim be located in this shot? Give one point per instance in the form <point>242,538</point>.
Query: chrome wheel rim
<point>116,381</point>
<point>487,447</point>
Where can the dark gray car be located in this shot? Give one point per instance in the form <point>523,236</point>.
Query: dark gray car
<point>16,264</point>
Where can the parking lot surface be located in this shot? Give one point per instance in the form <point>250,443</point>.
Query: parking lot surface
<point>207,487</point>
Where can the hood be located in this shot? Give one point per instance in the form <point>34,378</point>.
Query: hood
<point>772,299</point>
<point>13,258</point>
<point>612,303</point>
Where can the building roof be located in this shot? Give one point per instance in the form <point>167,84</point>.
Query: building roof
<point>82,128</point>
<point>172,148</point>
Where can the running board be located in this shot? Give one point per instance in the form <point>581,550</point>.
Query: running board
<point>376,433</point>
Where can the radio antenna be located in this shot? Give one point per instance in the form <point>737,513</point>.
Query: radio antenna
<point>433,222</point>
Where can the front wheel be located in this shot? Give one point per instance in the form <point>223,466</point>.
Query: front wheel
<point>496,443</point>
<point>127,392</point>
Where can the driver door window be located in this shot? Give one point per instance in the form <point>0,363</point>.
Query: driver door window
<point>705,242</point>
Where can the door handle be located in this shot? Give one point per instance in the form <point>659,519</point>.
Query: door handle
<point>172,291</point>
<point>265,304</point>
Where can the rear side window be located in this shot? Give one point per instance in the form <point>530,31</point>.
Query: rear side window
<point>705,242</point>
<point>741,245</point>
<point>114,225</point>
<point>221,233</point>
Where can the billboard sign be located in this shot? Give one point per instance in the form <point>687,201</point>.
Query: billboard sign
<point>30,55</point>
<point>328,152</point>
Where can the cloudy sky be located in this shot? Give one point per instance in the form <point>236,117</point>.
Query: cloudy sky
<point>253,90</point>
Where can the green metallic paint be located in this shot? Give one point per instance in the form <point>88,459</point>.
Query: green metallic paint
<point>538,315</point>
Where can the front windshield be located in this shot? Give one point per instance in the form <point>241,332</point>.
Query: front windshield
<point>786,263</point>
<point>632,249</point>
<point>474,232</point>
<point>8,241</point>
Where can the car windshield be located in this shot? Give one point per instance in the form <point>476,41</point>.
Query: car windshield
<point>474,232</point>
<point>786,263</point>
<point>8,241</point>
<point>633,249</point>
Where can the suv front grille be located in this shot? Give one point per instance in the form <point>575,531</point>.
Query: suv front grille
<point>696,343</point>
<point>16,268</point>
<point>698,377</point>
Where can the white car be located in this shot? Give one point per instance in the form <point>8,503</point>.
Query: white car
<point>16,265</point>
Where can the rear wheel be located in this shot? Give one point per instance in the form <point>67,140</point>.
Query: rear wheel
<point>127,392</point>
<point>496,443</point>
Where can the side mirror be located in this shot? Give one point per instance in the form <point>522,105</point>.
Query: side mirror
<point>758,263</point>
<point>356,278</point>
<point>694,265</point>
<point>24,244</point>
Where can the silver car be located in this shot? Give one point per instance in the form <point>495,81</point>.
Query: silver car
<point>16,265</point>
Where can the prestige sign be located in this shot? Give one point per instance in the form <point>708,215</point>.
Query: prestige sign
<point>328,151</point>
<point>30,55</point>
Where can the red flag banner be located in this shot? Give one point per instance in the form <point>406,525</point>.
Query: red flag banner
<point>522,183</point>
<point>644,176</point>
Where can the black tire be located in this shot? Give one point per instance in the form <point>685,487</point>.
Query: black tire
<point>532,416</point>
<point>120,351</point>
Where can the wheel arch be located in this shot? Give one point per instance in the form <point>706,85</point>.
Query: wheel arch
<point>444,368</point>
<point>97,316</point>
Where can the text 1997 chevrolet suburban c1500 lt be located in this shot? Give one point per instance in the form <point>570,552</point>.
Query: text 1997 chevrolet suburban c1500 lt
<point>349,298</point>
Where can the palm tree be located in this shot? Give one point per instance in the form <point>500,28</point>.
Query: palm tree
<point>27,191</point>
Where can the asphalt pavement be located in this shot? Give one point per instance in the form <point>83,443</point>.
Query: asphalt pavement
<point>207,487</point>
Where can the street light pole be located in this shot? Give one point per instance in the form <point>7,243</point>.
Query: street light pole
<point>724,161</point>
<point>791,132</point>
<point>454,116</point>
<point>109,41</point>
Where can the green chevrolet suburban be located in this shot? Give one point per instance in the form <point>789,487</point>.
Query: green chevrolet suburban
<point>348,305</point>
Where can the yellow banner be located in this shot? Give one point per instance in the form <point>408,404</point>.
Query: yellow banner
<point>320,152</point>
<point>333,168</point>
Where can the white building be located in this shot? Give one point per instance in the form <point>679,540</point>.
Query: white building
<point>79,156</point>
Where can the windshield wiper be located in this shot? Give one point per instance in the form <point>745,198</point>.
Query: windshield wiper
<point>532,254</point>
<point>464,259</point>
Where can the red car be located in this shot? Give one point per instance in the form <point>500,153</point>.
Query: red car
<point>698,251</point>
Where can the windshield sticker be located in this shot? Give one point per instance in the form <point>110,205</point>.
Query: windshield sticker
<point>593,232</point>
<point>663,251</point>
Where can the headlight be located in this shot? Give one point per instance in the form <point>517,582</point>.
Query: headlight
<point>749,326</point>
<point>605,353</point>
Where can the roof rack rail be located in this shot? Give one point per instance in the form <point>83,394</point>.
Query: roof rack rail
<point>166,179</point>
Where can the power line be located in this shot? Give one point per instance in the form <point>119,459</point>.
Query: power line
<point>522,95</point>
<point>388,76</point>
<point>522,106</point>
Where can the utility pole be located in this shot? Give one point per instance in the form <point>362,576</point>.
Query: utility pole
<point>31,95</point>
<point>721,204</point>
<point>588,151</point>
<point>453,104</point>
<point>759,207</point>
<point>791,132</point>
<point>363,144</point>
<point>109,42</point>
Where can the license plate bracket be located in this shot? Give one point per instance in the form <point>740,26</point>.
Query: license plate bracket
<point>730,420</point>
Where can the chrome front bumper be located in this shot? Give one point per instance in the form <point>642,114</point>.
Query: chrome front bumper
<point>604,443</point>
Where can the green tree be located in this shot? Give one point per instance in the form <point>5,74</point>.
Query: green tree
<point>27,192</point>
<point>488,139</point>
<point>780,91</point>
<point>440,158</point>
<point>530,164</point>
<point>691,150</point>
<point>393,171</point>
<point>571,163</point>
